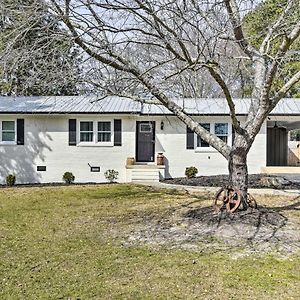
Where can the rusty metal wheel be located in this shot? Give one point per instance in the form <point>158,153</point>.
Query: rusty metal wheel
<point>220,199</point>
<point>251,201</point>
<point>234,200</point>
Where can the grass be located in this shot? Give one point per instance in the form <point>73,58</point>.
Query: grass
<point>68,243</point>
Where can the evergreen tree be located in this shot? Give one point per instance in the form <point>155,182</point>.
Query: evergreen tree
<point>36,56</point>
<point>256,26</point>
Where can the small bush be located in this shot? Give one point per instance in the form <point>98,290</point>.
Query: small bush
<point>68,177</point>
<point>10,180</point>
<point>111,175</point>
<point>191,172</point>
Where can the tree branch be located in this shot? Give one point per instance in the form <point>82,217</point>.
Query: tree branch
<point>227,94</point>
<point>235,19</point>
<point>284,90</point>
<point>284,47</point>
<point>274,27</point>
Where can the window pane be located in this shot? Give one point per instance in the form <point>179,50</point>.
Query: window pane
<point>205,126</point>
<point>221,128</point>
<point>104,137</point>
<point>103,126</point>
<point>86,136</point>
<point>8,125</point>
<point>146,127</point>
<point>8,136</point>
<point>200,142</point>
<point>86,126</point>
<point>223,138</point>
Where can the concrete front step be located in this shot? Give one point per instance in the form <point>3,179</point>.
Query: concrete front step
<point>145,173</point>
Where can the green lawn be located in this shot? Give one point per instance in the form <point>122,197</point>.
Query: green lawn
<point>70,243</point>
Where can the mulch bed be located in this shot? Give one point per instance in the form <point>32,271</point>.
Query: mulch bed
<point>255,181</point>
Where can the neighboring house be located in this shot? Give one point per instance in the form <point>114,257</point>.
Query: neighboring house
<point>43,137</point>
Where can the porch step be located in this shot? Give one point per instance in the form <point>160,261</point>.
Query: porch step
<point>145,173</point>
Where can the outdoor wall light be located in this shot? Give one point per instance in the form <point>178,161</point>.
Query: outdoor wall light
<point>162,125</point>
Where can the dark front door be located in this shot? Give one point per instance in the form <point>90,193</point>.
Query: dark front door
<point>145,141</point>
<point>277,146</point>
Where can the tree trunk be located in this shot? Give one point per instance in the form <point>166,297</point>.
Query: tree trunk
<point>238,171</point>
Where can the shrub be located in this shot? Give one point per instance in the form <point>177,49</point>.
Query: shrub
<point>191,172</point>
<point>68,177</point>
<point>10,180</point>
<point>111,175</point>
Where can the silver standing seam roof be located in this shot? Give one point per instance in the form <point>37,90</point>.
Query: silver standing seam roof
<point>118,105</point>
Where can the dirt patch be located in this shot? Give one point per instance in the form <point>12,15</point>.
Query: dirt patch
<point>261,231</point>
<point>255,181</point>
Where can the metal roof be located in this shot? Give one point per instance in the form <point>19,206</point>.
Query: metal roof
<point>118,105</point>
<point>67,104</point>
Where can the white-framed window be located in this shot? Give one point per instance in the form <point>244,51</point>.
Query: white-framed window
<point>8,132</point>
<point>86,131</point>
<point>200,142</point>
<point>95,133</point>
<point>104,131</point>
<point>220,129</point>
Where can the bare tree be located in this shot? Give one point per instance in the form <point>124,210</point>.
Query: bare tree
<point>36,56</point>
<point>143,49</point>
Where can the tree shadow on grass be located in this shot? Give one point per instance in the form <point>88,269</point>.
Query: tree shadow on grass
<point>264,226</point>
<point>261,223</point>
<point>196,226</point>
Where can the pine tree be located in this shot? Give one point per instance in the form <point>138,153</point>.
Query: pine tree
<point>256,26</point>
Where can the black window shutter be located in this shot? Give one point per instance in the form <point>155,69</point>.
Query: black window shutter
<point>20,131</point>
<point>117,132</point>
<point>190,141</point>
<point>72,132</point>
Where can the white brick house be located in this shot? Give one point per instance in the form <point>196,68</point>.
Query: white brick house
<point>43,137</point>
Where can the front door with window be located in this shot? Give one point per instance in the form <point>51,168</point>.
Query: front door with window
<point>145,141</point>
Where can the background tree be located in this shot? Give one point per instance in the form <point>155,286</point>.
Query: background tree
<point>36,56</point>
<point>256,25</point>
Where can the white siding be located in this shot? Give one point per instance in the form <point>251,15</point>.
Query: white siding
<point>172,141</point>
<point>46,144</point>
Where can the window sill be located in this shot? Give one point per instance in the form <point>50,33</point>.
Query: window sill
<point>8,143</point>
<point>205,150</point>
<point>92,144</point>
